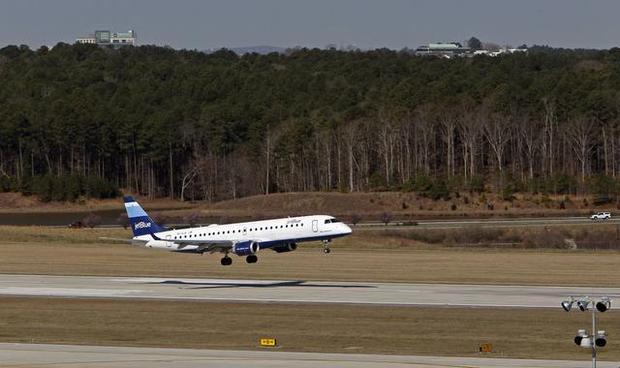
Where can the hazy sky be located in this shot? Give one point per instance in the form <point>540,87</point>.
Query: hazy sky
<point>203,24</point>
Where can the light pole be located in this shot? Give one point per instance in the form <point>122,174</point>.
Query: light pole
<point>595,339</point>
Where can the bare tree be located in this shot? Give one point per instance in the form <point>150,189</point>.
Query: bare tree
<point>496,129</point>
<point>580,133</point>
<point>188,178</point>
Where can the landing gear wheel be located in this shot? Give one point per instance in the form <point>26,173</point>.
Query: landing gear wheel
<point>226,261</point>
<point>251,259</point>
<point>326,250</point>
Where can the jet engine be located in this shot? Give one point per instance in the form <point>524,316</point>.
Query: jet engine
<point>245,248</point>
<point>285,248</point>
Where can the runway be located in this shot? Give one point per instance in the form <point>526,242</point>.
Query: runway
<point>27,355</point>
<point>294,291</point>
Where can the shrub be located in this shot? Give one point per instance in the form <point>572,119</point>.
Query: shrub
<point>123,220</point>
<point>545,239</point>
<point>476,184</point>
<point>355,219</point>
<point>386,218</point>
<point>91,220</point>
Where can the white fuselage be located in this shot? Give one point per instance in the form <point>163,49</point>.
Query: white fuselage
<point>268,233</point>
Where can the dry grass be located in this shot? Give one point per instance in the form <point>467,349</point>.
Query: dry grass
<point>600,236</point>
<point>407,206</point>
<point>361,257</point>
<point>515,333</point>
<point>369,206</point>
<point>18,203</point>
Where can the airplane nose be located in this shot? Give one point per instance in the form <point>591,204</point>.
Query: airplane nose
<point>347,229</point>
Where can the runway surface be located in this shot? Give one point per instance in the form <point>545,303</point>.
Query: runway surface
<point>27,355</point>
<point>294,291</point>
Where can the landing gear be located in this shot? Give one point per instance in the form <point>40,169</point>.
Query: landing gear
<point>251,258</point>
<point>226,261</point>
<point>326,249</point>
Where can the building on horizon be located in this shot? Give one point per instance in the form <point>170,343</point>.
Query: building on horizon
<point>108,38</point>
<point>448,50</point>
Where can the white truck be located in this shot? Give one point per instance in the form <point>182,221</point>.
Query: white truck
<point>601,216</point>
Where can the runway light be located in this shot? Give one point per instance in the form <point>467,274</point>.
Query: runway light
<point>603,305</point>
<point>601,339</point>
<point>583,305</point>
<point>581,334</point>
<point>567,305</point>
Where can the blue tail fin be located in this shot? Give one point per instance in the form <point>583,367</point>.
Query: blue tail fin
<point>141,223</point>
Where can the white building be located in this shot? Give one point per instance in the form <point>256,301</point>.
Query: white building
<point>108,38</point>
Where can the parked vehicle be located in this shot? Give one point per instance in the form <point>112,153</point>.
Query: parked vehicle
<point>601,216</point>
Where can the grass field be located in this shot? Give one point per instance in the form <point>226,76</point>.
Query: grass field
<point>318,328</point>
<point>369,206</point>
<point>361,257</point>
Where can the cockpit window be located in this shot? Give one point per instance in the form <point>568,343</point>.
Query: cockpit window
<point>332,221</point>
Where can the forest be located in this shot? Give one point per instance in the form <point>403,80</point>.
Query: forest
<point>80,120</point>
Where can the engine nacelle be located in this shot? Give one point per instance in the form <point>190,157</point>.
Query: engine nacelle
<point>245,248</point>
<point>285,248</point>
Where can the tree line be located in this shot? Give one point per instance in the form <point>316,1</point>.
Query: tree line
<point>191,125</point>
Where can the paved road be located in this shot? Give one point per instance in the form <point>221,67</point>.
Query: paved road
<point>489,223</point>
<point>294,291</point>
<point>25,355</point>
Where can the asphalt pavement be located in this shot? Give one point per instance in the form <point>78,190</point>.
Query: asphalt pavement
<point>294,291</point>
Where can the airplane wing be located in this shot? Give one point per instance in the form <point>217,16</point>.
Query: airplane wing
<point>211,246</point>
<point>205,245</point>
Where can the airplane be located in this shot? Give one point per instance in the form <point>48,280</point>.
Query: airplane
<point>243,239</point>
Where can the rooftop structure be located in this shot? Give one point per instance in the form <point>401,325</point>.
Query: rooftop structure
<point>442,49</point>
<point>108,38</point>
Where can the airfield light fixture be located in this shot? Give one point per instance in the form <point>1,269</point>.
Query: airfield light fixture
<point>567,305</point>
<point>583,305</point>
<point>603,305</point>
<point>597,338</point>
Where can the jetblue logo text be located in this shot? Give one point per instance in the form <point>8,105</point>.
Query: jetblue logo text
<point>142,225</point>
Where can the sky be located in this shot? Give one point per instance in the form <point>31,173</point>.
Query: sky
<point>367,24</point>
